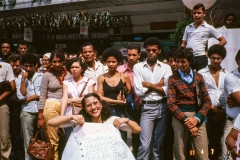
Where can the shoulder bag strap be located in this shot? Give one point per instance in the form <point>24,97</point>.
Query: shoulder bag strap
<point>80,95</point>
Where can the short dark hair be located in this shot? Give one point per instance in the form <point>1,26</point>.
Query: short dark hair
<point>82,64</point>
<point>217,49</point>
<point>134,46</point>
<point>114,52</point>
<point>228,15</point>
<point>184,52</point>
<point>14,57</point>
<point>22,42</point>
<point>237,57</point>
<point>88,44</point>
<point>198,6</point>
<point>57,53</point>
<point>153,41</point>
<point>172,53</point>
<point>105,113</point>
<point>29,58</point>
<point>8,42</point>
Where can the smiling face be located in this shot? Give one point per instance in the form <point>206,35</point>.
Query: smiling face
<point>76,69</point>
<point>216,60</point>
<point>183,64</point>
<point>93,107</point>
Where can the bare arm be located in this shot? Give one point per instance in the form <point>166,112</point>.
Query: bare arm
<point>222,41</point>
<point>132,125</point>
<point>230,142</point>
<point>101,94</point>
<point>64,99</point>
<point>57,121</point>
<point>155,87</point>
<point>128,84</point>
<point>184,43</point>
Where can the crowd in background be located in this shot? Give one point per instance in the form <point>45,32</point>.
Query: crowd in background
<point>186,105</point>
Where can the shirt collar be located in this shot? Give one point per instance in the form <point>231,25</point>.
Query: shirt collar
<point>206,69</point>
<point>97,65</point>
<point>236,72</point>
<point>184,74</point>
<point>84,79</point>
<point>146,64</point>
<point>204,24</point>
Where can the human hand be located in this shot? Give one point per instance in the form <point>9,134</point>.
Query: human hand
<point>161,82</point>
<point>79,118</point>
<point>191,122</point>
<point>234,153</point>
<point>41,123</point>
<point>120,102</point>
<point>194,131</point>
<point>231,103</point>
<point>24,75</point>
<point>119,121</point>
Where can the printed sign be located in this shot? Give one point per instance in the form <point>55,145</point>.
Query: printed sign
<point>94,141</point>
<point>83,27</point>
<point>233,45</point>
<point>28,34</point>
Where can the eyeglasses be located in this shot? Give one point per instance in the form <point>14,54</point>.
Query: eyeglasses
<point>92,103</point>
<point>45,60</point>
<point>30,66</point>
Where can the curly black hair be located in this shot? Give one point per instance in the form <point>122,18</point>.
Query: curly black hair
<point>172,53</point>
<point>105,113</point>
<point>153,41</point>
<point>218,49</point>
<point>14,58</point>
<point>112,52</point>
<point>29,58</point>
<point>76,59</point>
<point>187,53</point>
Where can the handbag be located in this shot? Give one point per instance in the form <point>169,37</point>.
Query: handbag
<point>77,107</point>
<point>130,107</point>
<point>39,149</point>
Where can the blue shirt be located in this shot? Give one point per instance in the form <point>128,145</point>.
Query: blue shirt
<point>187,77</point>
<point>32,89</point>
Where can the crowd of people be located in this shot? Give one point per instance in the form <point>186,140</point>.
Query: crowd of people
<point>185,107</point>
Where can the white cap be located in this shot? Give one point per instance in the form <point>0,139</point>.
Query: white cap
<point>47,54</point>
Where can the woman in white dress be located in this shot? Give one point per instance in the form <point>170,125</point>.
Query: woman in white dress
<point>93,111</point>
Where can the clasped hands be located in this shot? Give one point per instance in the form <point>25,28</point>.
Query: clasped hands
<point>191,123</point>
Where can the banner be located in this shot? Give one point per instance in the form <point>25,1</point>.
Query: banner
<point>233,45</point>
<point>83,27</point>
<point>28,34</point>
<point>96,141</point>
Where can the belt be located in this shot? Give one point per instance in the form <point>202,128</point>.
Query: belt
<point>230,119</point>
<point>155,102</point>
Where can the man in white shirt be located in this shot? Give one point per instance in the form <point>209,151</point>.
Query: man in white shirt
<point>150,83</point>
<point>232,94</point>
<point>6,74</point>
<point>214,76</point>
<point>94,69</point>
<point>197,34</point>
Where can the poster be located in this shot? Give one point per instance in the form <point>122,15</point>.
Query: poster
<point>96,141</point>
<point>28,34</point>
<point>233,45</point>
<point>83,27</point>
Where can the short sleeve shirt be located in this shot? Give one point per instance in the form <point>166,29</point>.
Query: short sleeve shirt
<point>231,85</point>
<point>6,72</point>
<point>197,38</point>
<point>236,124</point>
